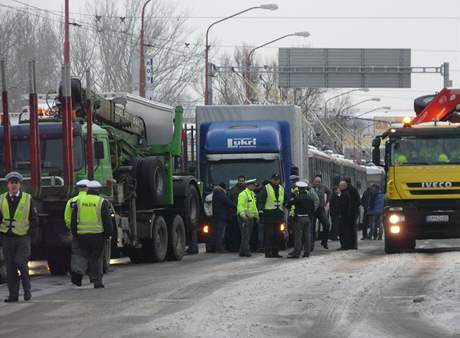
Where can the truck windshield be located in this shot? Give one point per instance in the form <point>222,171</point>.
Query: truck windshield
<point>228,171</point>
<point>51,154</point>
<point>408,151</point>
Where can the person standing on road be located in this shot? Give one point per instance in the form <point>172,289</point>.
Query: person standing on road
<point>91,224</point>
<point>375,212</point>
<point>345,213</point>
<point>304,208</point>
<point>82,189</point>
<point>355,203</point>
<point>221,207</point>
<point>271,202</point>
<point>247,214</point>
<point>324,194</point>
<point>18,224</point>
<point>365,203</point>
<point>237,189</point>
<point>233,228</point>
<point>334,212</point>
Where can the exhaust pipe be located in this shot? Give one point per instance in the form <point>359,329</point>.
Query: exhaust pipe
<point>7,152</point>
<point>35,159</point>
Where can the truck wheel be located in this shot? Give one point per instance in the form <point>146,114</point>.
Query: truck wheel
<point>176,239</point>
<point>106,256</point>
<point>191,208</point>
<point>59,260</point>
<point>159,239</point>
<point>151,182</point>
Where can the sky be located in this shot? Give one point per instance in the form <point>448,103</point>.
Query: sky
<point>431,29</point>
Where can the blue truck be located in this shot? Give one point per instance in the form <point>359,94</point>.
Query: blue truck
<point>251,140</point>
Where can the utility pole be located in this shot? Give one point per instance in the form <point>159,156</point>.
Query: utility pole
<point>141,56</point>
<point>35,159</point>
<point>67,116</point>
<point>89,129</point>
<point>7,153</point>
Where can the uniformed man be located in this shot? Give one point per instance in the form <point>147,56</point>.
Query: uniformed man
<point>271,202</point>
<point>247,214</point>
<point>304,209</point>
<point>91,224</point>
<point>76,259</point>
<point>18,225</point>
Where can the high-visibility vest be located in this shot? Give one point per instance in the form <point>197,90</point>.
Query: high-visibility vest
<point>247,204</point>
<point>68,208</point>
<point>19,224</point>
<point>89,218</point>
<point>271,202</point>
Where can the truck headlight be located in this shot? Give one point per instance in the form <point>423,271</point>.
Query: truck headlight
<point>282,227</point>
<point>395,219</point>
<point>395,229</point>
<point>206,229</point>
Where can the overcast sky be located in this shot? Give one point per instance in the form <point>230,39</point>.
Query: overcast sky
<point>430,28</point>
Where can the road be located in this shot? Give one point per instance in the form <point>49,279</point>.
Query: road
<point>360,293</point>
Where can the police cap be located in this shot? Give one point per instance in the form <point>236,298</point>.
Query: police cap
<point>93,185</point>
<point>14,175</point>
<point>82,183</point>
<point>251,181</point>
<point>301,184</point>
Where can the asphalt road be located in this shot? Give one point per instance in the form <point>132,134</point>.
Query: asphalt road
<point>360,293</point>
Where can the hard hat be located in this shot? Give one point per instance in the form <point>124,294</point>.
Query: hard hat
<point>93,185</point>
<point>82,183</point>
<point>14,175</point>
<point>301,184</point>
<point>251,181</point>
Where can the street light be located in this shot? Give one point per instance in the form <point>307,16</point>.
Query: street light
<point>375,99</point>
<point>341,94</point>
<point>251,52</point>
<point>142,60</point>
<point>270,7</point>
<point>384,108</point>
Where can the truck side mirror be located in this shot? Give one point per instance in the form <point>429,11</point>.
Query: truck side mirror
<point>98,150</point>
<point>376,156</point>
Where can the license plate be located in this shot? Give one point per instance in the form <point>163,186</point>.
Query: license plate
<point>437,218</point>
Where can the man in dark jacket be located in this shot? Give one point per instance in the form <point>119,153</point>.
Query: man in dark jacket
<point>221,207</point>
<point>346,228</point>
<point>237,188</point>
<point>355,203</point>
<point>304,207</point>
<point>324,194</point>
<point>365,203</point>
<point>334,212</point>
<point>18,224</point>
<point>91,224</point>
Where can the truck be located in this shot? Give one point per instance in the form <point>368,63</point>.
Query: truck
<point>136,148</point>
<point>422,173</point>
<point>251,140</point>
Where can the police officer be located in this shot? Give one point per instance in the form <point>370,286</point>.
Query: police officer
<point>91,224</point>
<point>304,209</point>
<point>18,225</point>
<point>271,202</point>
<point>247,214</point>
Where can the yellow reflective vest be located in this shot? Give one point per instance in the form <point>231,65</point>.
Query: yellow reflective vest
<point>20,223</point>
<point>247,204</point>
<point>271,202</point>
<point>89,217</point>
<point>68,208</point>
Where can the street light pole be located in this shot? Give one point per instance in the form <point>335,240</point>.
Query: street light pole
<point>141,56</point>
<point>375,99</point>
<point>207,98</point>
<point>339,95</point>
<point>251,52</point>
<point>384,108</point>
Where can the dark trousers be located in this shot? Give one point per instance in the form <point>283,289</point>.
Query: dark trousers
<point>321,216</point>
<point>375,226</point>
<point>91,248</point>
<point>348,233</point>
<point>272,237</point>
<point>354,235</point>
<point>365,225</point>
<point>16,250</point>
<point>333,234</point>
<point>246,232</point>
<point>302,235</point>
<point>219,234</point>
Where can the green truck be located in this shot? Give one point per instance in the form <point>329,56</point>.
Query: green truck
<point>136,151</point>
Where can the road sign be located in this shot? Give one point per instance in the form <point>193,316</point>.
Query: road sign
<point>344,68</point>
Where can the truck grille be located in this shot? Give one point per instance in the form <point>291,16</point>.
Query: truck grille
<point>435,192</point>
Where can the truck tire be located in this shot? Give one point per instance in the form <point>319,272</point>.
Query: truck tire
<point>190,208</point>
<point>176,238</point>
<point>59,260</point>
<point>151,182</point>
<point>106,256</point>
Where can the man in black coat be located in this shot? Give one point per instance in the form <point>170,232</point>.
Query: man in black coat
<point>221,207</point>
<point>345,217</point>
<point>355,203</point>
